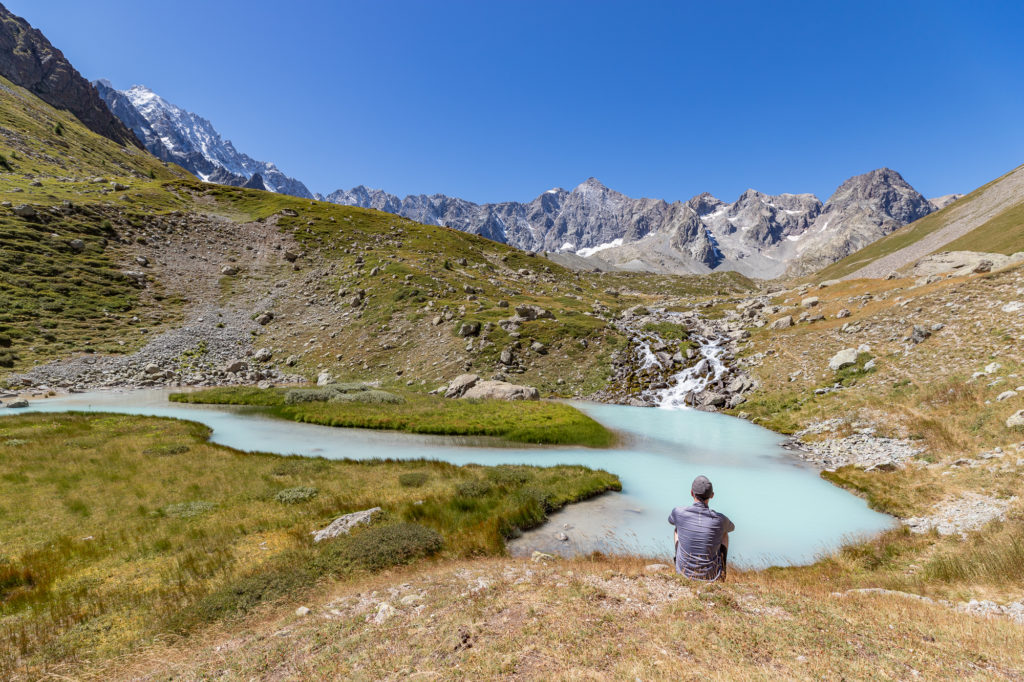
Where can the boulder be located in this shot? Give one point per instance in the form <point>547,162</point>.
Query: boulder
<point>533,312</point>
<point>844,358</point>
<point>152,368</point>
<point>469,329</point>
<point>291,256</point>
<point>782,323</point>
<point>235,366</point>
<point>343,524</point>
<point>919,334</point>
<point>324,378</point>
<point>539,348</point>
<point>843,313</point>
<point>809,302</point>
<point>501,390</point>
<point>16,404</point>
<point>264,318</point>
<point>262,355</point>
<point>1014,421</point>
<point>77,245</point>
<point>24,211</point>
<point>229,270</point>
<point>1006,395</point>
<point>460,385</point>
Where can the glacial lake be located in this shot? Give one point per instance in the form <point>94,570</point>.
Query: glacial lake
<point>783,511</point>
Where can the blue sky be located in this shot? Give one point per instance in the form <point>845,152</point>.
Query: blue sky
<point>494,100</point>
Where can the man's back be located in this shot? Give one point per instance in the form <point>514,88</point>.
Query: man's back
<point>700,531</point>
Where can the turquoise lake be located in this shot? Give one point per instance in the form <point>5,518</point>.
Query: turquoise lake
<point>783,511</point>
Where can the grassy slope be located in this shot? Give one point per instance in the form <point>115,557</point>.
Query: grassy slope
<point>53,300</point>
<point>115,529</point>
<point>1002,234</point>
<point>519,421</point>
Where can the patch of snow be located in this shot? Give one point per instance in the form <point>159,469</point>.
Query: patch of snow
<point>568,246</point>
<point>590,251</point>
<point>794,238</point>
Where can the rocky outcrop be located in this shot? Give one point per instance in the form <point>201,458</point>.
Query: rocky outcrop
<point>28,59</point>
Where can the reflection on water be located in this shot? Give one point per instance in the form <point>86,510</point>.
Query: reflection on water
<point>784,513</point>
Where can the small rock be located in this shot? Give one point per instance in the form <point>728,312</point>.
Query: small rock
<point>229,270</point>
<point>264,318</point>
<point>302,611</point>
<point>541,557</point>
<point>656,568</point>
<point>384,612</point>
<point>343,524</point>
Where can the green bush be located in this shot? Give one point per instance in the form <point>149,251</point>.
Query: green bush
<point>379,547</point>
<point>307,395</point>
<point>413,479</point>
<point>5,164</point>
<point>296,495</point>
<point>369,397</point>
<point>473,488</point>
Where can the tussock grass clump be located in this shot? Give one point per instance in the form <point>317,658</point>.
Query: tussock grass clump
<point>302,493</point>
<point>413,479</point>
<point>995,559</point>
<point>473,488</point>
<point>166,450</point>
<point>187,510</point>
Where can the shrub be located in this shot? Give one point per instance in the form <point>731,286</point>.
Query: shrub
<point>306,395</point>
<point>379,547</point>
<point>58,129</point>
<point>5,164</point>
<point>7,360</point>
<point>296,495</point>
<point>369,397</point>
<point>187,510</point>
<point>413,479</point>
<point>473,488</point>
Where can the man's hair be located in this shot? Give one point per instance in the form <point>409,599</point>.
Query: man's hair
<point>701,488</point>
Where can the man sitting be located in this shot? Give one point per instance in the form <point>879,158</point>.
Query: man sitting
<point>702,535</point>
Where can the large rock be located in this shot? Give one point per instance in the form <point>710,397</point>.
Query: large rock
<point>782,323</point>
<point>324,378</point>
<point>1015,420</point>
<point>15,404</point>
<point>844,358</point>
<point>469,329</point>
<point>343,524</point>
<point>501,390</point>
<point>533,312</point>
<point>460,385</point>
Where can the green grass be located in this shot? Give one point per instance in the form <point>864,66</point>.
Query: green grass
<point>1002,234</point>
<point>541,422</point>
<point>117,529</point>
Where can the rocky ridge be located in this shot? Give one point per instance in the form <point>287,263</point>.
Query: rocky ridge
<point>29,60</point>
<point>173,134</point>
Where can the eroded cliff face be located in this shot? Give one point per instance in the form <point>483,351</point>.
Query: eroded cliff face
<point>28,59</point>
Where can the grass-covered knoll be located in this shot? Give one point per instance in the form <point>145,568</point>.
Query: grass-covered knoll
<point>541,422</point>
<point>115,529</point>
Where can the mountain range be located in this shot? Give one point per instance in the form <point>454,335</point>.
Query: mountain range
<point>759,235</point>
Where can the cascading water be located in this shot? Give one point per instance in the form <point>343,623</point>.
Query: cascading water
<point>697,378</point>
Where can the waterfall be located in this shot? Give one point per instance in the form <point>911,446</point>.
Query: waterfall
<point>695,379</point>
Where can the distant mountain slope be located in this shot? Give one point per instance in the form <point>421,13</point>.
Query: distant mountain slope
<point>758,235</point>
<point>990,219</point>
<point>174,134</point>
<point>28,59</point>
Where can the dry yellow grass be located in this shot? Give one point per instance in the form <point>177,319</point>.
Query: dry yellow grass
<point>593,619</point>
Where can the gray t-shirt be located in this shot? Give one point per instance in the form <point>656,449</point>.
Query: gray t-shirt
<point>700,537</point>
